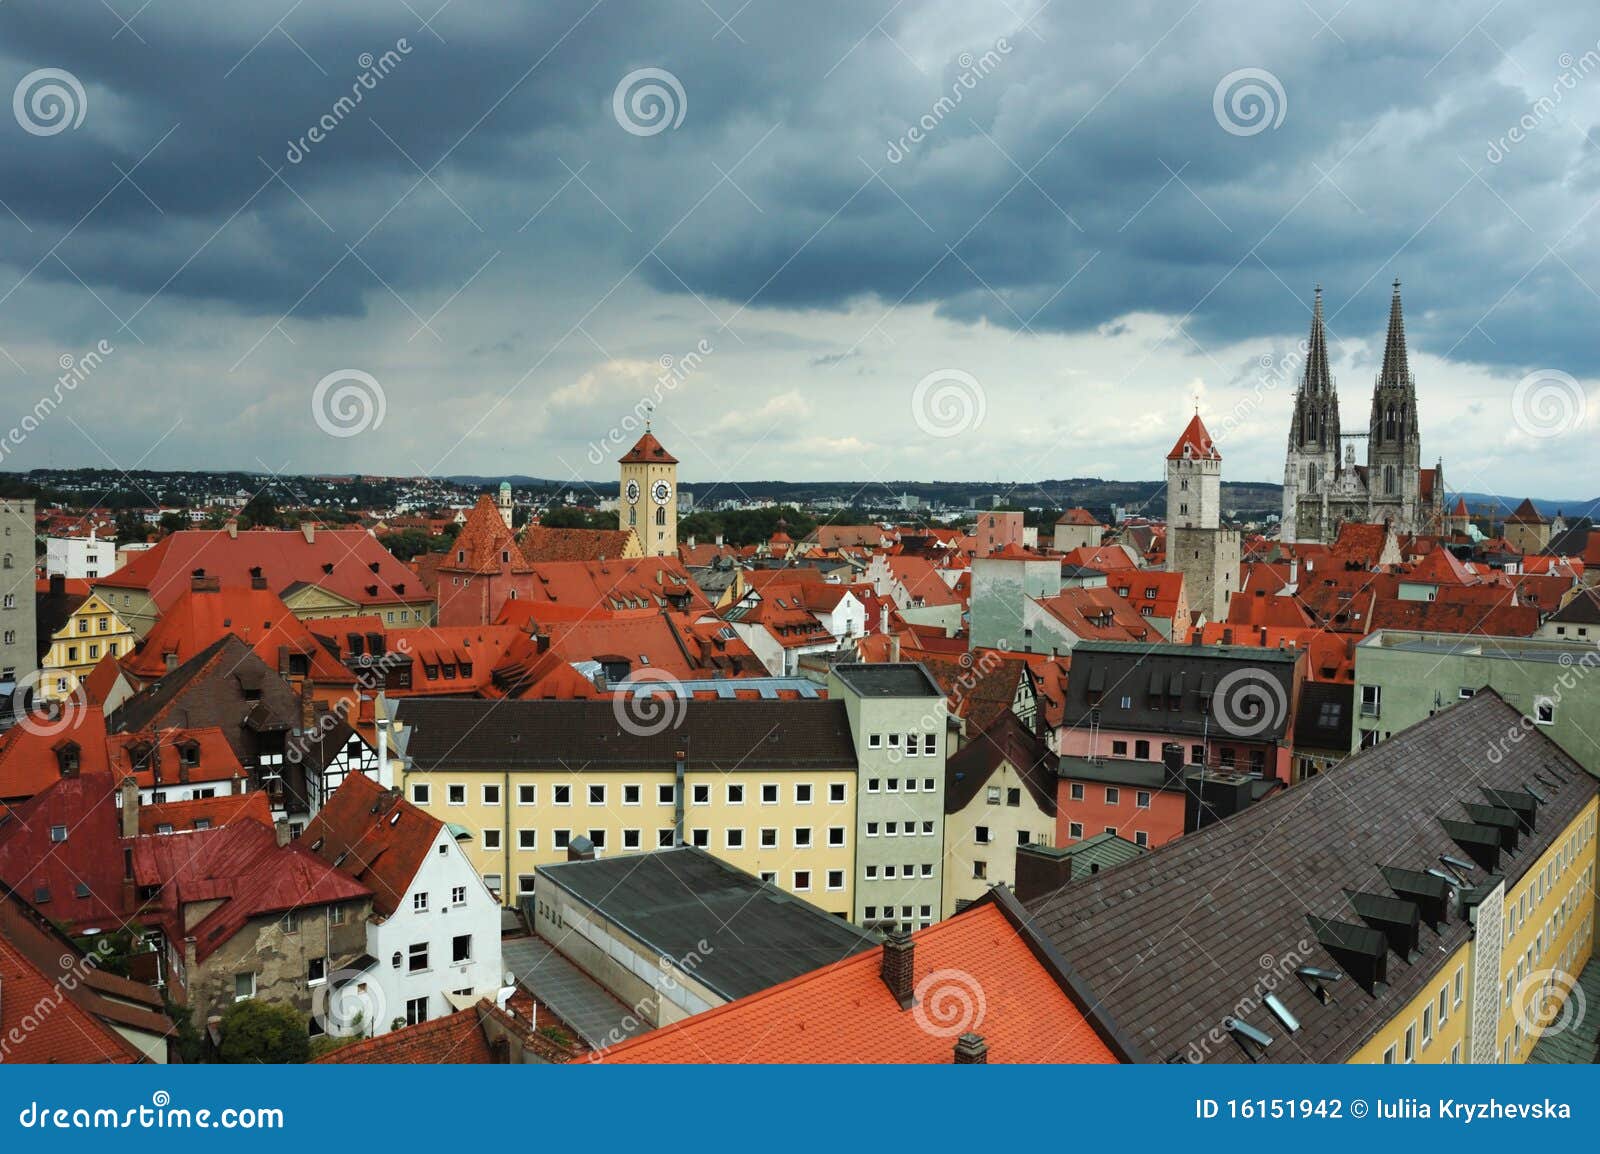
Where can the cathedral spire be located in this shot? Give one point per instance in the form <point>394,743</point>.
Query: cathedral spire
<point>1317,378</point>
<point>1396,369</point>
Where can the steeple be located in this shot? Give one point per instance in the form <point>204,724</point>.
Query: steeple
<point>1317,379</point>
<point>1396,370</point>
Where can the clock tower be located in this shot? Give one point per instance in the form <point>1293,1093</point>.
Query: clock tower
<point>648,501</point>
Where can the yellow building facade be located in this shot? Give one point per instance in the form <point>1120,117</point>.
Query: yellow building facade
<point>92,632</point>
<point>795,829</point>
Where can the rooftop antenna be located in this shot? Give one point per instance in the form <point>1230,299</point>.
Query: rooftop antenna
<point>649,411</point>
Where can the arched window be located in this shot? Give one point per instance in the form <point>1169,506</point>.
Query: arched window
<point>661,515</point>
<point>1388,425</point>
<point>633,517</point>
<point>1388,478</point>
<point>1311,476</point>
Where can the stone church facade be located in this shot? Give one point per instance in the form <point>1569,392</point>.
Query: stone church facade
<point>1323,485</point>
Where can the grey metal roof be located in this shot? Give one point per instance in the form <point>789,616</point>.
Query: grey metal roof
<point>572,995</point>
<point>746,934</point>
<point>889,679</point>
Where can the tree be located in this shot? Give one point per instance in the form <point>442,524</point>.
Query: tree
<point>258,1032</point>
<point>261,512</point>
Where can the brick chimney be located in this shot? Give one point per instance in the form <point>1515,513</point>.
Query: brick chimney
<point>972,1050</point>
<point>258,579</point>
<point>280,832</point>
<point>898,968</point>
<point>308,708</point>
<point>308,530</point>
<point>233,528</point>
<point>130,806</point>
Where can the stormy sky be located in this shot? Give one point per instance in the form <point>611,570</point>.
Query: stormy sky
<point>867,240</point>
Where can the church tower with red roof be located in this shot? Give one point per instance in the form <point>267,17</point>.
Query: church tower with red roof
<point>648,499</point>
<point>1197,545</point>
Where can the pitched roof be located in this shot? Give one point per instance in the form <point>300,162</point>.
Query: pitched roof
<point>1078,516</point>
<point>1527,514</point>
<point>1583,609</point>
<point>1168,945</point>
<point>339,560</point>
<point>1005,740</point>
<point>199,618</point>
<point>1499,620</point>
<point>973,973</point>
<point>454,1039</point>
<point>205,813</point>
<point>376,836</point>
<point>484,545</point>
<point>647,450</point>
<point>1195,441</point>
<point>542,544</point>
<point>558,734</point>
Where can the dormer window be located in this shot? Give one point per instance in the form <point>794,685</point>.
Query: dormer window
<point>68,758</point>
<point>189,754</point>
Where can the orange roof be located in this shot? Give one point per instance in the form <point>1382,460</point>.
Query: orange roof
<point>375,836</point>
<point>484,545</point>
<point>1526,514</point>
<point>64,1031</point>
<point>973,973</point>
<point>1105,558</point>
<point>453,1039</point>
<point>542,544</point>
<point>1097,615</point>
<point>205,813</point>
<point>1078,516</point>
<point>648,450</point>
<point>1195,441</point>
<point>199,618</point>
<point>631,583</point>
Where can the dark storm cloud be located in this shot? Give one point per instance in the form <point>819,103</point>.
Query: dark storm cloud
<point>1082,176</point>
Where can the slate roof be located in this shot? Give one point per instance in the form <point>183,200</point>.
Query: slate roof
<point>1169,945</point>
<point>1584,609</point>
<point>1006,739</point>
<point>745,935</point>
<point>715,734</point>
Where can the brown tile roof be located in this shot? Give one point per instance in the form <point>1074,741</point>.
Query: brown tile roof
<point>542,544</point>
<point>375,836</point>
<point>647,450</point>
<point>1005,740</point>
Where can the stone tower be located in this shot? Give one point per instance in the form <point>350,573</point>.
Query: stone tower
<point>1394,451</point>
<point>503,503</point>
<point>649,496</point>
<point>1313,458</point>
<point>1197,546</point>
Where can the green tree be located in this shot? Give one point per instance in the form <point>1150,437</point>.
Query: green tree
<point>260,512</point>
<point>258,1032</point>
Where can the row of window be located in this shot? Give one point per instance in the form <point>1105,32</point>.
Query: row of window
<point>898,829</point>
<point>767,837</point>
<point>888,873</point>
<point>895,785</point>
<point>598,793</point>
<point>1075,833</point>
<point>1450,996</point>
<point>1113,795</point>
<point>929,744</point>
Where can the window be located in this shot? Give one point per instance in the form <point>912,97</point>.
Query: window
<point>664,837</point>
<point>1460,978</point>
<point>735,794</point>
<point>1141,839</point>
<point>1113,795</point>
<point>526,884</point>
<point>291,922</point>
<point>1427,1025</point>
<point>836,836</point>
<point>836,879</point>
<point>336,915</point>
<point>700,794</point>
<point>416,1011</point>
<point>631,838</point>
<point>58,833</point>
<point>769,794</point>
<point>980,869</point>
<point>1544,711</point>
<point>244,987</point>
<point>1119,749</point>
<point>981,835</point>
<point>802,793</point>
<point>735,838</point>
<point>802,837</point>
<point>461,948</point>
<point>666,794</point>
<point>1411,1042</point>
<point>1142,799</point>
<point>491,795</point>
<point>769,838</point>
<point>597,795</point>
<point>563,838</point>
<point>874,741</point>
<point>993,795</point>
<point>1075,829</point>
<point>1141,750</point>
<point>1075,791</point>
<point>493,882</point>
<point>527,839</point>
<point>1388,1056</point>
<point>316,971</point>
<point>1444,1006</point>
<point>527,794</point>
<point>417,958</point>
<point>630,795</point>
<point>419,901</point>
<point>927,869</point>
<point>836,791</point>
<point>1013,797</point>
<point>1372,701</point>
<point>491,838</point>
<point>561,794</point>
<point>700,838</point>
<point>458,895</point>
<point>456,794</point>
<point>802,880</point>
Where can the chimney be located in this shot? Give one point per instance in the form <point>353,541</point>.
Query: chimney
<point>257,579</point>
<point>171,661</point>
<point>541,642</point>
<point>972,1050</point>
<point>1227,636</point>
<point>691,540</point>
<point>1172,761</point>
<point>58,584</point>
<point>233,528</point>
<point>280,833</point>
<point>308,529</point>
<point>130,806</point>
<point>719,540</point>
<point>1195,638</point>
<point>898,968</point>
<point>308,708</point>
<point>894,647</point>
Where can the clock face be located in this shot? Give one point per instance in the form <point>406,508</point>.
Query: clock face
<point>633,492</point>
<point>660,491</point>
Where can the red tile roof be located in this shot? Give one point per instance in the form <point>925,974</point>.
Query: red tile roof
<point>631,583</point>
<point>338,560</point>
<point>647,450</point>
<point>1195,441</point>
<point>542,544</point>
<point>1078,516</point>
<point>258,617</point>
<point>1097,615</point>
<point>1502,620</point>
<point>973,973</point>
<point>454,1039</point>
<point>40,1021</point>
<point>484,545</point>
<point>205,813</point>
<point>1527,514</point>
<point>374,835</point>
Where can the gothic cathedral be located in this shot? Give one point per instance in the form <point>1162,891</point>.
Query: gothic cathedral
<point>649,496</point>
<point>1323,487</point>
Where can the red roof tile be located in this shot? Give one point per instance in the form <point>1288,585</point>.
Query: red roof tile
<point>1195,441</point>
<point>374,835</point>
<point>647,450</point>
